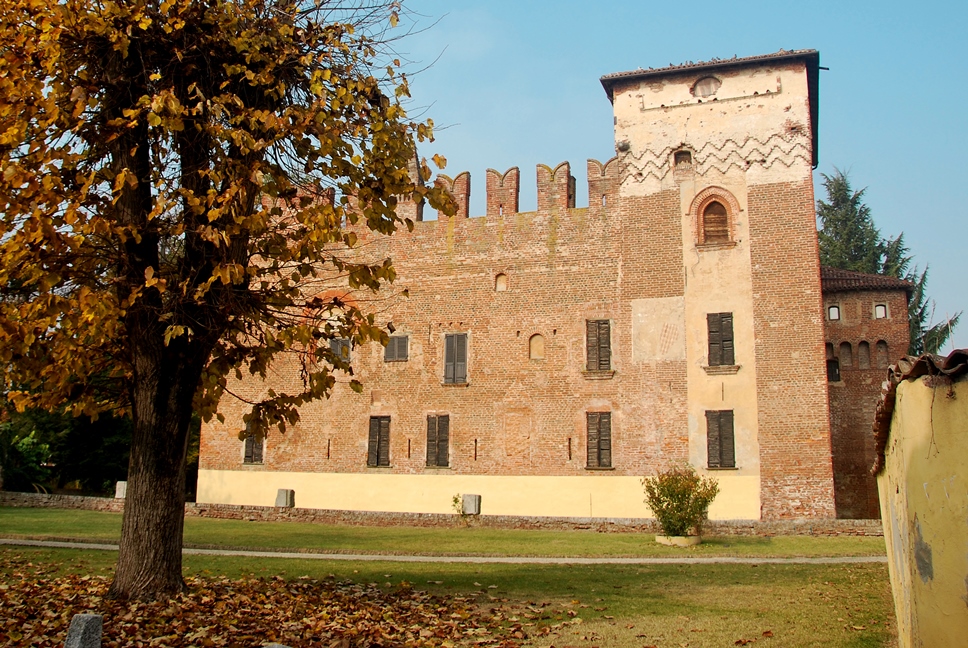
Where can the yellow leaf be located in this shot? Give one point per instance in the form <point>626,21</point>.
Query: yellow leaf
<point>153,119</point>
<point>440,161</point>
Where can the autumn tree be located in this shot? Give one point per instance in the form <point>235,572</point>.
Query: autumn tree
<point>850,240</point>
<point>180,180</point>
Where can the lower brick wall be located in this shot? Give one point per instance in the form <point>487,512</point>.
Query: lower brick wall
<point>808,527</point>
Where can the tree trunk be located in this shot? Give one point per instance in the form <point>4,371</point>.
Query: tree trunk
<point>150,558</point>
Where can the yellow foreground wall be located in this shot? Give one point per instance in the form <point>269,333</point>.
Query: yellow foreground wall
<point>923,493</point>
<point>591,496</point>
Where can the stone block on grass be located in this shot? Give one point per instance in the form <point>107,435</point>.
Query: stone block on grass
<point>85,631</point>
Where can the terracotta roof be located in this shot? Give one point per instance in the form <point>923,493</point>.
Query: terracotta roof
<point>837,280</point>
<point>706,66</point>
<point>940,371</point>
<point>809,56</point>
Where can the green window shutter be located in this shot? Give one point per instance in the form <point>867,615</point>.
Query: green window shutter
<point>431,440</point>
<point>396,349</point>
<point>373,444</point>
<point>605,440</point>
<point>604,345</point>
<point>340,348</point>
<point>598,345</point>
<point>726,334</point>
<point>257,446</point>
<point>449,364</point>
<point>591,344</point>
<point>592,421</point>
<point>714,326</point>
<point>727,449</point>
<point>383,456</point>
<point>460,358</point>
<point>713,447</point>
<point>443,440</point>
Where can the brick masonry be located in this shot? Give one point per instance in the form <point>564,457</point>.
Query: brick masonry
<point>863,347</point>
<point>635,246</point>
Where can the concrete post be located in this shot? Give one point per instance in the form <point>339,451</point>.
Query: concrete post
<point>84,631</point>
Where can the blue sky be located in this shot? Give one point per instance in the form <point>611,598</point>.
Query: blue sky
<point>516,84</point>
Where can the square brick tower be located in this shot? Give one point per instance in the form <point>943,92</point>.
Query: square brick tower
<point>721,155</point>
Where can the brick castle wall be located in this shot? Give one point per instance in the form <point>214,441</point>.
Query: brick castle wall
<point>854,397</point>
<point>515,415</point>
<point>794,430</point>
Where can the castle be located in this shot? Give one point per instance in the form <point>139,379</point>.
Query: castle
<point>549,360</point>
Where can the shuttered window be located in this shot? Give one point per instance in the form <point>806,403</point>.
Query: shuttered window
<point>598,345</point>
<point>378,448</point>
<point>599,439</point>
<point>340,348</point>
<point>455,358</point>
<point>253,449</point>
<point>720,327</point>
<point>720,447</point>
<point>438,440</point>
<point>715,223</point>
<point>397,349</point>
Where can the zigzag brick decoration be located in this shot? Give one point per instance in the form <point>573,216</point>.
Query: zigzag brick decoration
<point>776,149</point>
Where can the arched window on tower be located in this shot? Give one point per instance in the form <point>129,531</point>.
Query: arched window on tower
<point>833,367</point>
<point>883,357</point>
<point>715,223</point>
<point>845,355</point>
<point>863,355</point>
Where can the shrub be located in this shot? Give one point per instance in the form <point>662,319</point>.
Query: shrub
<point>680,499</point>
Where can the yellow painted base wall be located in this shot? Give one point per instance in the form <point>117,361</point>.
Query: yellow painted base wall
<point>592,496</point>
<point>923,494</point>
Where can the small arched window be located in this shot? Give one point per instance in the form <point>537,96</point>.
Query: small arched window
<point>715,223</point>
<point>846,355</point>
<point>833,313</point>
<point>501,282</point>
<point>833,367</point>
<point>536,347</point>
<point>883,357</point>
<point>706,87</point>
<point>863,355</point>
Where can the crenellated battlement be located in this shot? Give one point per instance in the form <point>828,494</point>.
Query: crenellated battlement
<point>556,189</point>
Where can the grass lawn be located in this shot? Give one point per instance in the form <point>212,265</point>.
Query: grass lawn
<point>106,527</point>
<point>618,606</point>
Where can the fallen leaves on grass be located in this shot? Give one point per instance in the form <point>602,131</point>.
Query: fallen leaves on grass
<point>217,612</point>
